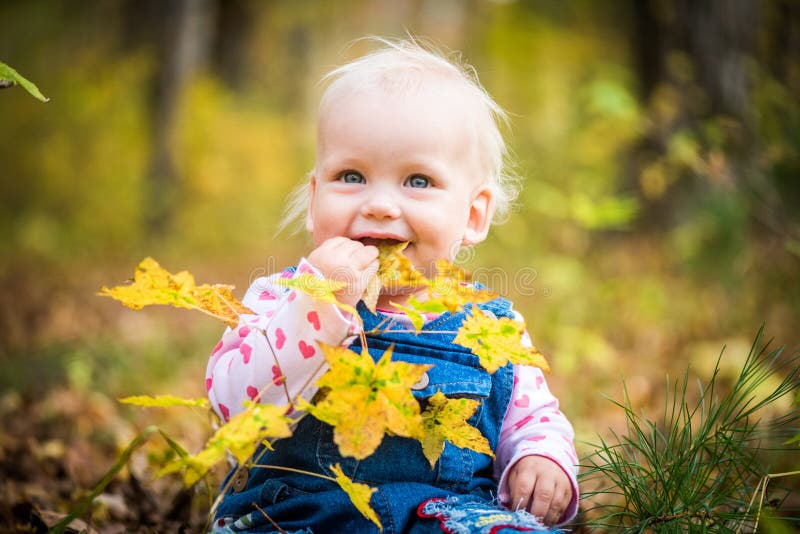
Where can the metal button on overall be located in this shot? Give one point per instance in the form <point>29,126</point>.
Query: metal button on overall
<point>422,383</point>
<point>240,479</point>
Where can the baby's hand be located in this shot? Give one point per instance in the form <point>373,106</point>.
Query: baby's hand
<point>538,485</point>
<point>344,260</point>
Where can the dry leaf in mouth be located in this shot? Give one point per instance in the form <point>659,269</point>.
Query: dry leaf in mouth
<point>395,271</point>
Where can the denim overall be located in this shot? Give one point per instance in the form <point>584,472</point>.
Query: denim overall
<point>398,469</point>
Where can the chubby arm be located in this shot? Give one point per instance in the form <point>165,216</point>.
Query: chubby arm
<point>273,355</point>
<point>536,463</point>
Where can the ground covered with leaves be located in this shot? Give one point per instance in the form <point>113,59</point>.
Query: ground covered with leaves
<point>56,448</point>
<point>67,356</point>
<point>64,429</point>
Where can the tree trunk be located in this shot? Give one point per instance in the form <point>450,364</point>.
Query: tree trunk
<point>717,35</point>
<point>693,59</point>
<point>183,46</point>
<point>234,26</point>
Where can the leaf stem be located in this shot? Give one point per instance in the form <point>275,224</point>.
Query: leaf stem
<point>86,502</point>
<point>293,470</point>
<point>379,332</point>
<point>274,524</point>
<point>762,489</point>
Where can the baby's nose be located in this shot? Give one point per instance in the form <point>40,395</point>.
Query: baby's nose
<point>381,205</point>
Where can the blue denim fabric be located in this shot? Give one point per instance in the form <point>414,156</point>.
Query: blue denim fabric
<point>399,470</point>
<point>466,515</point>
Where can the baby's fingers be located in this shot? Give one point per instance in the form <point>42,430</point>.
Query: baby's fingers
<point>543,501</point>
<point>521,488</point>
<point>559,502</point>
<point>365,257</point>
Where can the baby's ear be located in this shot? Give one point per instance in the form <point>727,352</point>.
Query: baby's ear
<point>312,187</point>
<point>481,210</point>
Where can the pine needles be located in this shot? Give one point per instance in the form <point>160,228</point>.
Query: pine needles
<point>695,470</point>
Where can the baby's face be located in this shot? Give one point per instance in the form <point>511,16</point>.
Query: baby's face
<point>400,168</point>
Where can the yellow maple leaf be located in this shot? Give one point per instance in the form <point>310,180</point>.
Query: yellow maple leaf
<point>434,305</point>
<point>386,262</point>
<point>154,285</point>
<point>416,318</point>
<point>240,436</point>
<point>446,420</point>
<point>395,271</point>
<point>318,288</point>
<point>451,289</point>
<point>163,401</point>
<point>359,494</point>
<point>497,341</point>
<point>365,400</point>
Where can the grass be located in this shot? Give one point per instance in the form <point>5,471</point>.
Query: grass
<point>697,467</point>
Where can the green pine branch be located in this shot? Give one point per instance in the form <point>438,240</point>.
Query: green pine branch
<point>697,467</point>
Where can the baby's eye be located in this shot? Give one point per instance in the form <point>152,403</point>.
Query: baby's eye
<point>418,181</point>
<point>352,177</point>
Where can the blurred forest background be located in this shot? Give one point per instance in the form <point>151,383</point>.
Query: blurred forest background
<point>659,143</point>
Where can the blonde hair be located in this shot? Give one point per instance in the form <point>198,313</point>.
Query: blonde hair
<point>402,65</point>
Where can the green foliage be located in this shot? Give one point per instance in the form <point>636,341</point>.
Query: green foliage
<point>696,468</point>
<point>9,76</point>
<point>238,160</point>
<point>77,178</point>
<point>573,114</point>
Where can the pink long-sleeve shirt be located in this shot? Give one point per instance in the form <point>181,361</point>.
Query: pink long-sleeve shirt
<point>273,356</point>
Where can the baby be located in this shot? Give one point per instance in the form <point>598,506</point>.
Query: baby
<point>408,150</point>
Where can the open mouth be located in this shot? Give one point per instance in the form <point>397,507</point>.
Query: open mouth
<point>378,241</point>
